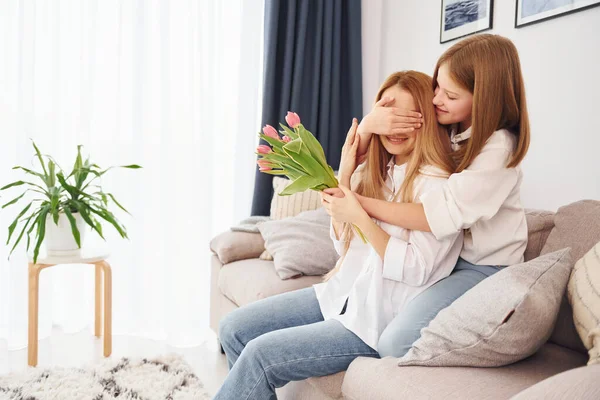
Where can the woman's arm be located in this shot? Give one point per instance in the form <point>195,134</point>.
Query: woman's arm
<point>376,236</point>
<point>348,209</point>
<point>348,164</point>
<point>406,215</point>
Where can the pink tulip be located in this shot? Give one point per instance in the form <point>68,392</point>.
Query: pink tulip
<point>287,139</point>
<point>263,149</point>
<point>264,165</point>
<point>271,132</point>
<point>292,119</point>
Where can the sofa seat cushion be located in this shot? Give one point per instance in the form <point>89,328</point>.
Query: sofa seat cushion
<point>369,378</point>
<point>330,386</point>
<point>320,388</point>
<point>249,280</point>
<point>576,384</point>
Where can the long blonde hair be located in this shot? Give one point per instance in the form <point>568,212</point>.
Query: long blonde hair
<point>488,66</point>
<point>432,147</point>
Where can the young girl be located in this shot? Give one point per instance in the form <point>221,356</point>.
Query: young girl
<point>320,330</point>
<point>480,97</point>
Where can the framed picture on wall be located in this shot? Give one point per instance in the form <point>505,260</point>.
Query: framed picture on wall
<point>465,17</point>
<point>531,11</point>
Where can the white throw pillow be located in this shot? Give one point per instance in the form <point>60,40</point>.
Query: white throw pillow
<point>505,318</point>
<point>292,205</point>
<point>584,296</point>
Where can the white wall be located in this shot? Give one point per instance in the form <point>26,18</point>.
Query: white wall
<point>561,67</point>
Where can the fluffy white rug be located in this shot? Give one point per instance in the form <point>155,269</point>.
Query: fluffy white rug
<point>168,377</point>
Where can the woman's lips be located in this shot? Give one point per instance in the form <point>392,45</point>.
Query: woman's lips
<point>437,109</point>
<point>397,140</point>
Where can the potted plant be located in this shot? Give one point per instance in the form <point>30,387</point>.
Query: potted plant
<point>63,205</point>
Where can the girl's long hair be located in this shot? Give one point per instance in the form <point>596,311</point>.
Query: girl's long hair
<point>488,66</point>
<point>432,147</point>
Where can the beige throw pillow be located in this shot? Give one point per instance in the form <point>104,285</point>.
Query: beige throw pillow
<point>292,205</point>
<point>232,246</point>
<point>505,318</point>
<point>584,296</point>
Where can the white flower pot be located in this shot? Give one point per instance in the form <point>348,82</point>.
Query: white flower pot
<point>59,239</point>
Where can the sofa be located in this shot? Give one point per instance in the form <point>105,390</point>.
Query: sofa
<point>557,371</point>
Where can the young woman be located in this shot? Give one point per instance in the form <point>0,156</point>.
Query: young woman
<point>480,98</point>
<point>320,330</point>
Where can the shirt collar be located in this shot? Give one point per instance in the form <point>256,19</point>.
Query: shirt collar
<point>391,167</point>
<point>391,163</point>
<point>456,138</point>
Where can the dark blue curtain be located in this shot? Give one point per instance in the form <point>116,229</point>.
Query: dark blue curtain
<point>312,66</point>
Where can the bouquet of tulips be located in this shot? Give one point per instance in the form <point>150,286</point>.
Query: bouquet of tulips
<point>298,155</point>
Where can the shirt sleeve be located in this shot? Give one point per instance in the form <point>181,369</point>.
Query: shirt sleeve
<point>476,193</point>
<point>415,260</point>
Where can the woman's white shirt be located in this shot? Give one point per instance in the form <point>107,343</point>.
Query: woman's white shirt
<point>378,289</point>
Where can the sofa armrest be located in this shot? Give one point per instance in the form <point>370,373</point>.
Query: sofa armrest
<point>232,246</point>
<point>576,384</point>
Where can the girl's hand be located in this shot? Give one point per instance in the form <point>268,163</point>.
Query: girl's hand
<point>344,209</point>
<point>385,119</point>
<point>348,162</point>
<point>335,192</point>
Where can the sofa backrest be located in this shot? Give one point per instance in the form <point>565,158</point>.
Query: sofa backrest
<point>539,225</point>
<point>577,226</point>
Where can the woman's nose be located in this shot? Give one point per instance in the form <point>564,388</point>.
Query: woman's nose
<point>436,100</point>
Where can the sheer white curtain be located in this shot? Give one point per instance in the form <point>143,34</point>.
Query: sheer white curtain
<point>171,85</point>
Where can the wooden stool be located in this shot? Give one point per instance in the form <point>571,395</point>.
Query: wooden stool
<point>97,257</point>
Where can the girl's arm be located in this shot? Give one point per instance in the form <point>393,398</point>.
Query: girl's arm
<point>476,193</point>
<point>385,119</point>
<point>413,259</point>
<point>406,215</point>
<point>363,146</point>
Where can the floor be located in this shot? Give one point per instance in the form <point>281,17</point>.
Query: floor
<point>75,350</point>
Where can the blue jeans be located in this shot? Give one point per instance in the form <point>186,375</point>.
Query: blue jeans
<point>280,339</point>
<point>399,336</point>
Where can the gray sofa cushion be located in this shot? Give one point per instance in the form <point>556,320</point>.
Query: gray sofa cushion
<point>300,245</point>
<point>505,318</point>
